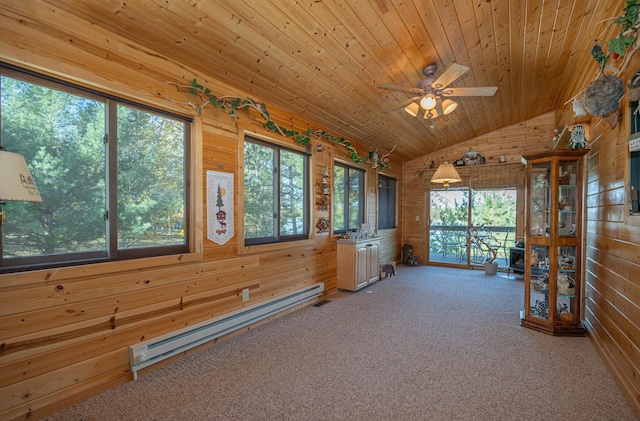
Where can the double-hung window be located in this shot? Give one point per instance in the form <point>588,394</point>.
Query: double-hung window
<point>348,198</point>
<point>112,175</point>
<point>276,193</point>
<point>386,202</point>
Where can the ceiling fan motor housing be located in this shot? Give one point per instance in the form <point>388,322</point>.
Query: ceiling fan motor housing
<point>430,70</point>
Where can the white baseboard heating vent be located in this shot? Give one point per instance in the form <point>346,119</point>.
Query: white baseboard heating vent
<point>150,352</point>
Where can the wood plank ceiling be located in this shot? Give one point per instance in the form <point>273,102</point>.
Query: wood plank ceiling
<point>324,59</point>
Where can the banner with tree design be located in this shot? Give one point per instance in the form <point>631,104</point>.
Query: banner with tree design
<point>220,221</point>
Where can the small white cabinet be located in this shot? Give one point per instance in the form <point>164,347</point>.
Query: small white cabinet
<point>358,263</point>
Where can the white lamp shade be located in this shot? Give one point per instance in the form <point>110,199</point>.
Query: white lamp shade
<point>448,106</point>
<point>16,182</point>
<point>412,109</point>
<point>428,102</point>
<point>446,173</point>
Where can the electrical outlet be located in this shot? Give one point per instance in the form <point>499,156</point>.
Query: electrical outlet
<point>245,295</point>
<point>634,145</point>
<point>417,218</point>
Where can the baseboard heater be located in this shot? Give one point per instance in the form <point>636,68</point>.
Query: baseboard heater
<point>150,352</point>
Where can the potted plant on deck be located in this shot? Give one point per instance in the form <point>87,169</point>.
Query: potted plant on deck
<point>491,266</point>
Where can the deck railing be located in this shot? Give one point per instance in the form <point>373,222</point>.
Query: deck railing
<point>452,243</point>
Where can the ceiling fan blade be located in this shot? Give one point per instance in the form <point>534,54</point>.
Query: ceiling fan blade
<point>401,104</point>
<point>399,88</point>
<point>452,73</point>
<point>478,91</point>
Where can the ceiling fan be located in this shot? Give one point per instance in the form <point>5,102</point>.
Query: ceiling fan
<point>433,93</point>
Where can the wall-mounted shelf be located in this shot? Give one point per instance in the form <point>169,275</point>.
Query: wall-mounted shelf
<point>565,136</point>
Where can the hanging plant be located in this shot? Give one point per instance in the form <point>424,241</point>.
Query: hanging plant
<point>232,104</point>
<point>602,97</point>
<point>623,44</point>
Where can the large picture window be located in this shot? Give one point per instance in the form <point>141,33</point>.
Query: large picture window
<point>386,202</point>
<point>276,193</point>
<point>112,175</point>
<point>348,198</point>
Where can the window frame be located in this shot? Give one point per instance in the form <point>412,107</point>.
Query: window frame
<point>345,198</point>
<point>385,194</point>
<point>633,175</point>
<point>277,238</point>
<point>111,253</point>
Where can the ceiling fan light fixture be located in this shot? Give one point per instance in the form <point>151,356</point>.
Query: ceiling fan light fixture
<point>412,109</point>
<point>429,114</point>
<point>448,106</point>
<point>428,102</point>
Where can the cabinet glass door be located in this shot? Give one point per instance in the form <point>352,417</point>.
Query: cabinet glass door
<point>539,203</point>
<point>568,198</point>
<point>566,306</point>
<point>539,282</point>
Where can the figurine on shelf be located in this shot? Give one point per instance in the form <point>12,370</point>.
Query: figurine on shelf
<point>563,314</point>
<point>534,258</point>
<point>541,181</point>
<point>566,285</point>
<point>544,283</point>
<point>565,262</point>
<point>578,140</point>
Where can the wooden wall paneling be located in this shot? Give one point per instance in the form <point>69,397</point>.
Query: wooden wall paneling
<point>610,229</point>
<point>610,338</point>
<point>15,394</point>
<point>70,292</point>
<point>619,291</point>
<point>38,408</point>
<point>620,329</point>
<point>189,309</point>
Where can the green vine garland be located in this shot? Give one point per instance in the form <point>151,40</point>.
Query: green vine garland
<point>232,104</point>
<point>624,43</point>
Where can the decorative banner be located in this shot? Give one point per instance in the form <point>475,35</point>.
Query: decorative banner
<point>219,206</point>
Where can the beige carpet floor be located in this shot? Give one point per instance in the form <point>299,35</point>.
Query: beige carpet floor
<point>430,344</point>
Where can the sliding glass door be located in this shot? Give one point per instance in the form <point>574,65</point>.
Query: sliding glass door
<point>460,234</point>
<point>448,226</point>
<point>493,217</point>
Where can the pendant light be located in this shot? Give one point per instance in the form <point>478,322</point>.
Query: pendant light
<point>446,173</point>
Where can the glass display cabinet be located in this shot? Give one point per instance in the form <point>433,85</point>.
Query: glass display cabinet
<point>553,253</point>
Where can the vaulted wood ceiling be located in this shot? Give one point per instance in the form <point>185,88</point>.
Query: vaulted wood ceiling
<point>324,59</point>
